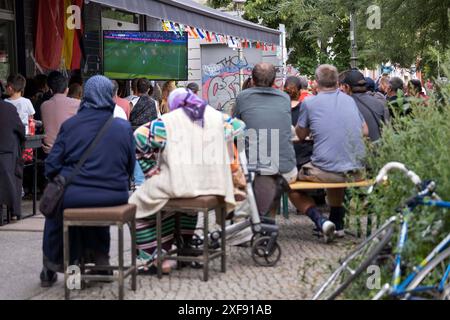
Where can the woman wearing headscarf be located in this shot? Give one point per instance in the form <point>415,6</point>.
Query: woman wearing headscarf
<point>103,181</point>
<point>173,152</point>
<point>12,139</point>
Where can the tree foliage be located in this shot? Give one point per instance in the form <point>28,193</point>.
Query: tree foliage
<point>409,28</point>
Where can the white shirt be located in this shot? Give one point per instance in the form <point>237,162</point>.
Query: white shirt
<point>120,113</point>
<point>24,108</point>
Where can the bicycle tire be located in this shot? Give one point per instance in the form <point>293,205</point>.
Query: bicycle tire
<point>428,268</point>
<point>385,239</point>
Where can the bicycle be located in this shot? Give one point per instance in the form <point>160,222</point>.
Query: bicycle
<point>431,277</point>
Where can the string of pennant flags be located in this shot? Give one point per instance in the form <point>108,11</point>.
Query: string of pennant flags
<point>213,37</point>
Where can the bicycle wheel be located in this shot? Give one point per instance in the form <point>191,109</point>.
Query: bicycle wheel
<point>430,277</point>
<point>356,263</point>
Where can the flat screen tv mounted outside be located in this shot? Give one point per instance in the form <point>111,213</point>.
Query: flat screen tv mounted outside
<point>154,55</point>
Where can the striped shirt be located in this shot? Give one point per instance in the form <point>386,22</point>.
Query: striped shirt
<point>151,139</point>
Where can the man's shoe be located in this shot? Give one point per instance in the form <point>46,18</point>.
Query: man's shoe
<point>328,229</point>
<point>339,234</point>
<point>48,278</point>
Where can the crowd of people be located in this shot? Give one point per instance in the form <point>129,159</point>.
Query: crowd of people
<point>159,138</point>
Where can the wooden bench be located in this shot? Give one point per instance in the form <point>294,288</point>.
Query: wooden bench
<point>308,186</point>
<point>303,185</point>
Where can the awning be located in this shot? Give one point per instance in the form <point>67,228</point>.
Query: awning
<point>190,13</point>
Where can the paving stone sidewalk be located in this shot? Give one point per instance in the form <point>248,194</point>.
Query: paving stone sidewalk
<point>304,265</point>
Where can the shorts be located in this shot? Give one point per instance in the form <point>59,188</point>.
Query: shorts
<point>311,173</point>
<point>291,177</point>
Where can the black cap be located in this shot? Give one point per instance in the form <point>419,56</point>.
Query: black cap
<point>354,78</point>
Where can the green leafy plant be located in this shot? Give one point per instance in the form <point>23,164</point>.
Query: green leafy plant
<point>422,142</point>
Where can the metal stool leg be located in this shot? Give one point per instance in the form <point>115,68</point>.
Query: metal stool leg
<point>206,246</point>
<point>121,263</point>
<point>159,243</point>
<point>224,240</point>
<point>66,259</point>
<point>133,255</point>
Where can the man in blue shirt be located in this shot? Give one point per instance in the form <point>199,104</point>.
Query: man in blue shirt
<point>333,120</point>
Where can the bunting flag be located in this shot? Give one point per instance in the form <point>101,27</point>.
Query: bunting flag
<point>200,33</point>
<point>216,37</point>
<point>181,28</point>
<point>172,27</point>
<point>208,36</point>
<point>164,26</point>
<point>58,45</point>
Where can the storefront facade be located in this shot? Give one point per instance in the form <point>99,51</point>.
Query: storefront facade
<point>18,53</point>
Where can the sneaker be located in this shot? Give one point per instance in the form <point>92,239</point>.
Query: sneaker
<point>340,234</point>
<point>328,229</point>
<point>48,278</point>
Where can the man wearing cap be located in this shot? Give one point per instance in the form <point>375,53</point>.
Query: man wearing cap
<point>375,112</point>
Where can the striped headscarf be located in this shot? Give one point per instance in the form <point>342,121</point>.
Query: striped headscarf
<point>192,105</point>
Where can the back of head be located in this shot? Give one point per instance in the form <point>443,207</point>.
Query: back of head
<point>396,84</point>
<point>304,83</point>
<point>57,82</point>
<point>134,83</point>
<point>248,83</point>
<point>41,81</point>
<point>355,80</point>
<point>327,76</point>
<point>143,87</point>
<point>75,91</point>
<point>415,85</point>
<point>370,84</point>
<point>193,87</point>
<point>293,87</point>
<point>264,75</point>
<point>115,87</point>
<point>17,83</point>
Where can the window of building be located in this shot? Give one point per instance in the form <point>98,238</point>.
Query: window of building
<point>7,5</point>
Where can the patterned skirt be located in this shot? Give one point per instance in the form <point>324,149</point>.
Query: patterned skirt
<point>146,233</point>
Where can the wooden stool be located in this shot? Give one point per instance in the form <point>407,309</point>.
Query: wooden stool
<point>103,217</point>
<point>194,206</point>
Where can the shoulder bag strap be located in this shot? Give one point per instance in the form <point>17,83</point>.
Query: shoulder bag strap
<point>89,150</point>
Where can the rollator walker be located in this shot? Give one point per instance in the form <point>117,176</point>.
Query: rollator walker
<point>265,250</point>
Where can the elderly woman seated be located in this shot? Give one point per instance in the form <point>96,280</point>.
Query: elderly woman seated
<point>184,154</point>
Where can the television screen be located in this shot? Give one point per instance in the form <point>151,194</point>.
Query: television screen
<point>156,55</point>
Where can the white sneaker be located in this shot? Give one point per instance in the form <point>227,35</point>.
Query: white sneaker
<point>328,229</point>
<point>340,234</point>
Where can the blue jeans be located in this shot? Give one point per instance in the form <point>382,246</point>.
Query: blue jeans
<point>139,177</point>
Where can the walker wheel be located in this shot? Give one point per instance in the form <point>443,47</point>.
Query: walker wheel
<point>260,255</point>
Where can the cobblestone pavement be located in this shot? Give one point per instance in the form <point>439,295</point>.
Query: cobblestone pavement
<point>304,265</point>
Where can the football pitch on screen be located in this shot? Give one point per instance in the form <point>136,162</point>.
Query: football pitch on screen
<point>157,61</point>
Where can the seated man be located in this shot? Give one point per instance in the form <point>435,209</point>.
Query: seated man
<point>266,111</point>
<point>337,128</point>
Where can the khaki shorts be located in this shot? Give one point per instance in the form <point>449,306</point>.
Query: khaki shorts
<point>311,173</point>
<point>291,177</point>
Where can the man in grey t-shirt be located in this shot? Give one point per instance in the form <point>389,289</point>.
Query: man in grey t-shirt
<point>267,114</point>
<point>333,120</point>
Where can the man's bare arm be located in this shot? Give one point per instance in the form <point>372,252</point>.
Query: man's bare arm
<point>302,133</point>
<point>365,130</point>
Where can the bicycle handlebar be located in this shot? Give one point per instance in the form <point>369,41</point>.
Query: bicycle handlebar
<point>383,175</point>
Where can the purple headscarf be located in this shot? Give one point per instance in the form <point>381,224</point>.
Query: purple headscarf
<point>192,105</point>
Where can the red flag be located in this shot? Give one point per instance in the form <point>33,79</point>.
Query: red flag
<point>208,36</point>
<point>49,33</point>
<point>77,41</point>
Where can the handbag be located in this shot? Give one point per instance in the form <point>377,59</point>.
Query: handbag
<point>52,198</point>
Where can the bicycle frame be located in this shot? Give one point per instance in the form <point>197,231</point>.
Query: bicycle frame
<point>399,288</point>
